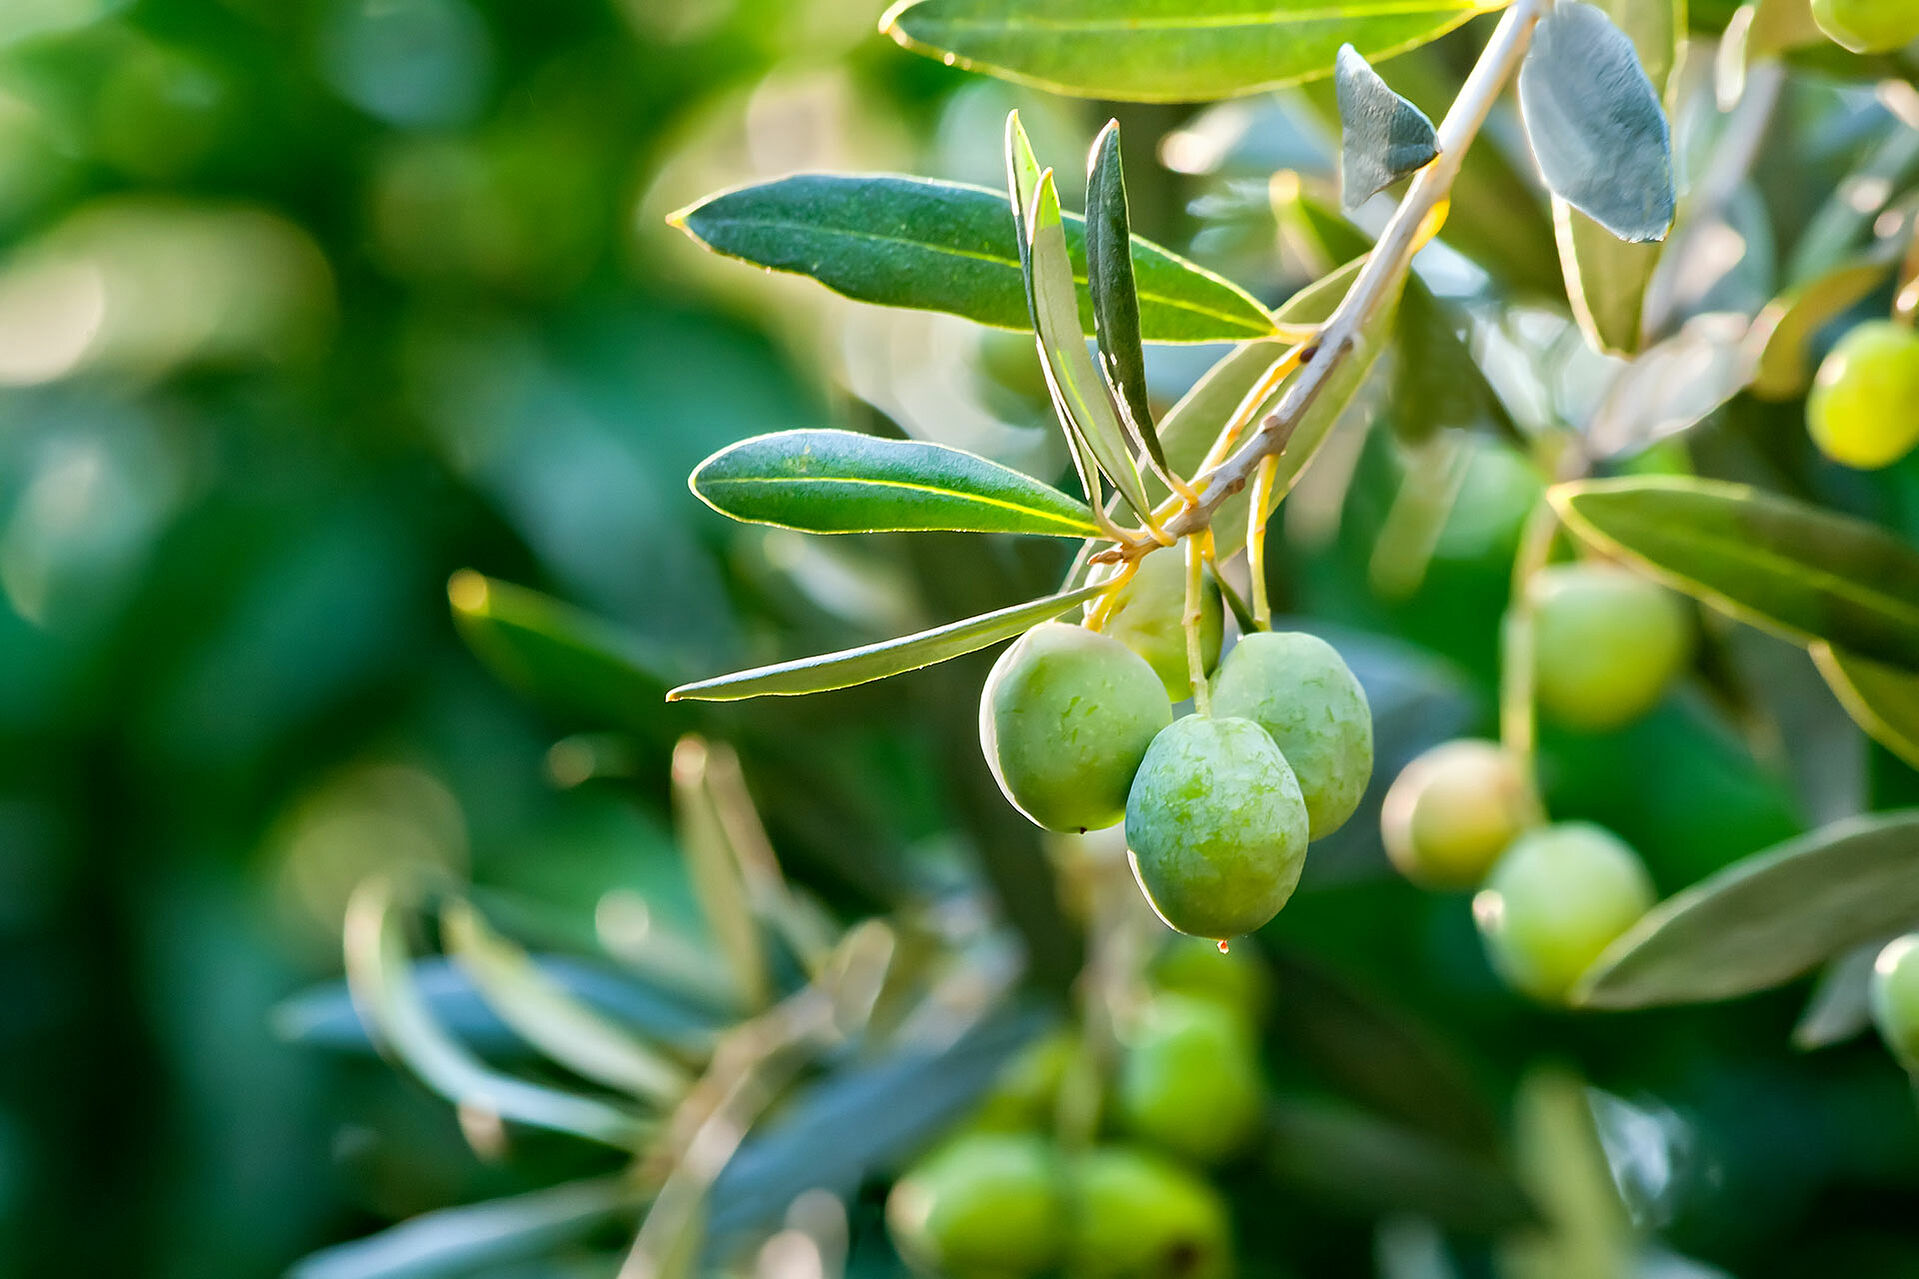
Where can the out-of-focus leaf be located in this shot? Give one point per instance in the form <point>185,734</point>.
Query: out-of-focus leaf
<point>1383,137</point>
<point>1173,51</point>
<point>1833,235</point>
<point>1839,1007</point>
<point>378,971</point>
<point>942,246</point>
<point>1358,1161</point>
<point>713,865</point>
<point>453,1241</point>
<point>1883,700</point>
<point>1587,1233</point>
<point>1784,565</point>
<point>1786,328</point>
<point>888,657</point>
<point>1674,385</point>
<point>1115,293</point>
<point>1189,428</point>
<point>1407,538</point>
<point>1595,122</point>
<point>1766,919</point>
<point>845,482</point>
<point>541,1011</point>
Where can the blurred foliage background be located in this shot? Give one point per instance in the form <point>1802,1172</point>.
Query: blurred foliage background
<point>306,305</point>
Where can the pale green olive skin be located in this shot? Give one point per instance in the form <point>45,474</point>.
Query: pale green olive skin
<point>983,1206</point>
<point>1065,719</point>
<point>1863,409</point>
<point>1139,1216</point>
<point>1298,688</point>
<point>1451,812</point>
<point>1607,643</point>
<point>1189,1079</point>
<point>1237,980</point>
<point>1868,26</point>
<point>1555,901</point>
<point>1148,616</point>
<point>1025,1097</point>
<point>1894,998</point>
<point>1215,827</point>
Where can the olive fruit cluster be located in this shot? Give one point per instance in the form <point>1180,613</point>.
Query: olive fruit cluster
<point>1078,728</point>
<point>1551,897</point>
<point>1863,410</point>
<point>1607,643</point>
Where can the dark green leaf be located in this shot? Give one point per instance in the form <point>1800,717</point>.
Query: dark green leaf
<point>888,657</point>
<point>1767,919</point>
<point>1115,294</point>
<point>1171,51</point>
<point>1780,564</point>
<point>1383,137</point>
<point>1883,700</point>
<point>942,246</point>
<point>844,482</point>
<point>1595,122</point>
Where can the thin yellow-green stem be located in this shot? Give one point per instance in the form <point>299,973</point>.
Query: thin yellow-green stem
<point>1096,617</point>
<point>1258,509</point>
<point>1195,648</point>
<point>1518,715</point>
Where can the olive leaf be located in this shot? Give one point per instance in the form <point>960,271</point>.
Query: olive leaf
<point>1115,294</point>
<point>944,246</point>
<point>824,481</point>
<point>1383,137</point>
<point>1171,51</point>
<point>1595,122</point>
<point>1785,329</point>
<point>1883,700</point>
<point>1839,1006</point>
<point>1766,919</point>
<point>1783,565</point>
<point>888,657</point>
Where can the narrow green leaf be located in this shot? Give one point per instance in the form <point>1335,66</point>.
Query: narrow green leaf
<point>1383,137</point>
<point>1839,1006</point>
<point>1595,122</point>
<point>1115,294</point>
<point>943,246</point>
<point>719,881</point>
<point>1789,323</point>
<point>1075,381</point>
<point>889,657</point>
<point>844,482</point>
<point>542,1012</point>
<point>1169,51</point>
<point>378,971</point>
<point>1883,700</point>
<point>1768,918</point>
<point>1786,566</point>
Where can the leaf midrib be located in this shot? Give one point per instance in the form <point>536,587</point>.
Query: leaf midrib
<point>1078,526</point>
<point>1277,17</point>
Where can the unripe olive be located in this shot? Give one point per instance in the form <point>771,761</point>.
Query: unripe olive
<point>1606,643</point>
<point>1138,1216</point>
<point>1236,980</point>
<point>1299,689</point>
<point>983,1206</point>
<point>1189,1079</point>
<point>1559,897</point>
<point>1215,826</point>
<point>1868,26</point>
<point>1064,719</point>
<point>1148,616</point>
<point>1863,409</point>
<point>1895,998</point>
<point>1026,1094</point>
<point>1452,811</point>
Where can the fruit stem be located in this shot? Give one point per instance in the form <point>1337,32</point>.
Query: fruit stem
<point>1257,511</point>
<point>1096,617</point>
<point>1518,715</point>
<point>1905,306</point>
<point>1195,649</point>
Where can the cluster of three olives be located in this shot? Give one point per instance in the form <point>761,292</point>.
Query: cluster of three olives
<point>1078,728</point>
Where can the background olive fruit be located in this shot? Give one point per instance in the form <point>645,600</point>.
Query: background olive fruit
<point>1216,827</point>
<point>1895,998</point>
<point>1025,1097</point>
<point>1138,1216</point>
<point>1559,897</point>
<point>1863,409</point>
<point>983,1206</point>
<point>1237,980</point>
<point>1148,617</point>
<point>1298,688</point>
<point>1189,1079</point>
<point>1065,718</point>
<point>1868,26</point>
<point>1607,643</point>
<point>1452,811</point>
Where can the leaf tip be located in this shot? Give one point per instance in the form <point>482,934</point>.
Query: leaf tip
<point>468,592</point>
<point>891,26</point>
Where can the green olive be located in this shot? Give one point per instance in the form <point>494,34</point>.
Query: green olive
<point>1607,643</point>
<point>1868,26</point>
<point>1299,689</point>
<point>1026,1094</point>
<point>1138,1216</point>
<point>1236,980</point>
<point>1065,718</point>
<point>1189,1079</point>
<point>1148,617</point>
<point>1453,811</point>
<point>1559,897</point>
<point>1216,827</point>
<point>1895,998</point>
<point>1863,409</point>
<point>983,1206</point>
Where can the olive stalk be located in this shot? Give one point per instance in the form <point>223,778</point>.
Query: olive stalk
<point>1195,611</point>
